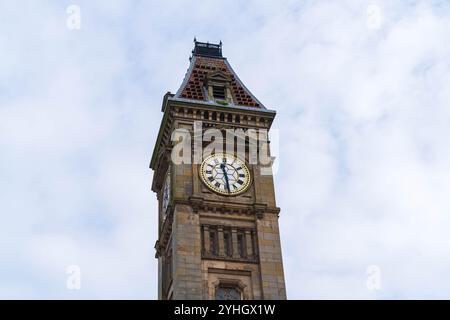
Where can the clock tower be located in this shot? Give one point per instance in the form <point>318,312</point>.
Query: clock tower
<point>218,235</point>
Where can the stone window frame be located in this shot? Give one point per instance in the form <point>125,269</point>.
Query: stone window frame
<point>236,249</point>
<point>221,80</point>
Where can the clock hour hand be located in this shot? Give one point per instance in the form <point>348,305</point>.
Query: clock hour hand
<point>222,166</point>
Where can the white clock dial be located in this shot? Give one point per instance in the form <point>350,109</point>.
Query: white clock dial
<point>225,174</point>
<point>166,194</point>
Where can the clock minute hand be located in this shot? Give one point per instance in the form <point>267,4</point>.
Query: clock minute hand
<point>222,166</point>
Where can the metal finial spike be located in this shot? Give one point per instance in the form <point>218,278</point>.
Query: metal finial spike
<point>220,43</point>
<point>195,39</point>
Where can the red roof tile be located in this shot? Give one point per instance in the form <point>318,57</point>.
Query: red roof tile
<point>200,67</point>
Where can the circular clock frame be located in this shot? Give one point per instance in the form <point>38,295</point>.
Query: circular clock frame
<point>166,194</point>
<point>218,190</point>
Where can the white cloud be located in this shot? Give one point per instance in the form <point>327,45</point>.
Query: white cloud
<point>363,117</point>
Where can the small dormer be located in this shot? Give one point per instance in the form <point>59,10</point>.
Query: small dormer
<point>217,86</point>
<point>210,78</point>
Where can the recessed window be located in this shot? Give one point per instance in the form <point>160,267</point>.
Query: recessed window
<point>227,243</point>
<point>213,242</point>
<point>219,92</point>
<point>241,245</point>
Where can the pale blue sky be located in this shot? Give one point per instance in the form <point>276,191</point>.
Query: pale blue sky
<point>363,117</point>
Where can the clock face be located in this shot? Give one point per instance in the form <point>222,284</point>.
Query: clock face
<point>225,174</point>
<point>166,194</point>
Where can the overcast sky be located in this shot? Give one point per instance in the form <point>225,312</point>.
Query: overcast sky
<point>362,91</point>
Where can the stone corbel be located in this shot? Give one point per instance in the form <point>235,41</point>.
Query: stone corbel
<point>158,249</point>
<point>259,209</point>
<point>196,203</point>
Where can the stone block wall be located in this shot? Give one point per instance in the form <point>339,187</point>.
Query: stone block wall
<point>186,241</point>
<point>271,263</point>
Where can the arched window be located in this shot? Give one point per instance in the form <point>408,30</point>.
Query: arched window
<point>224,292</point>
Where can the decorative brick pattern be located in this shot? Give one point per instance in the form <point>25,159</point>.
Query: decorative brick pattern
<point>202,66</point>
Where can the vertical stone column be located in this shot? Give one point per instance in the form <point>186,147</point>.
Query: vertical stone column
<point>235,243</point>
<point>228,94</point>
<point>210,93</point>
<point>249,244</point>
<point>221,251</point>
<point>271,262</point>
<point>206,242</point>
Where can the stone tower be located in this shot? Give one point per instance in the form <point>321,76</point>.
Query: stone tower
<point>218,220</point>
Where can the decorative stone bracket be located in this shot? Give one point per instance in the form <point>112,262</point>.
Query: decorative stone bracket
<point>158,249</point>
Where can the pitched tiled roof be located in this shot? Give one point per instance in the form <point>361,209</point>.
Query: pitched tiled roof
<point>200,67</point>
